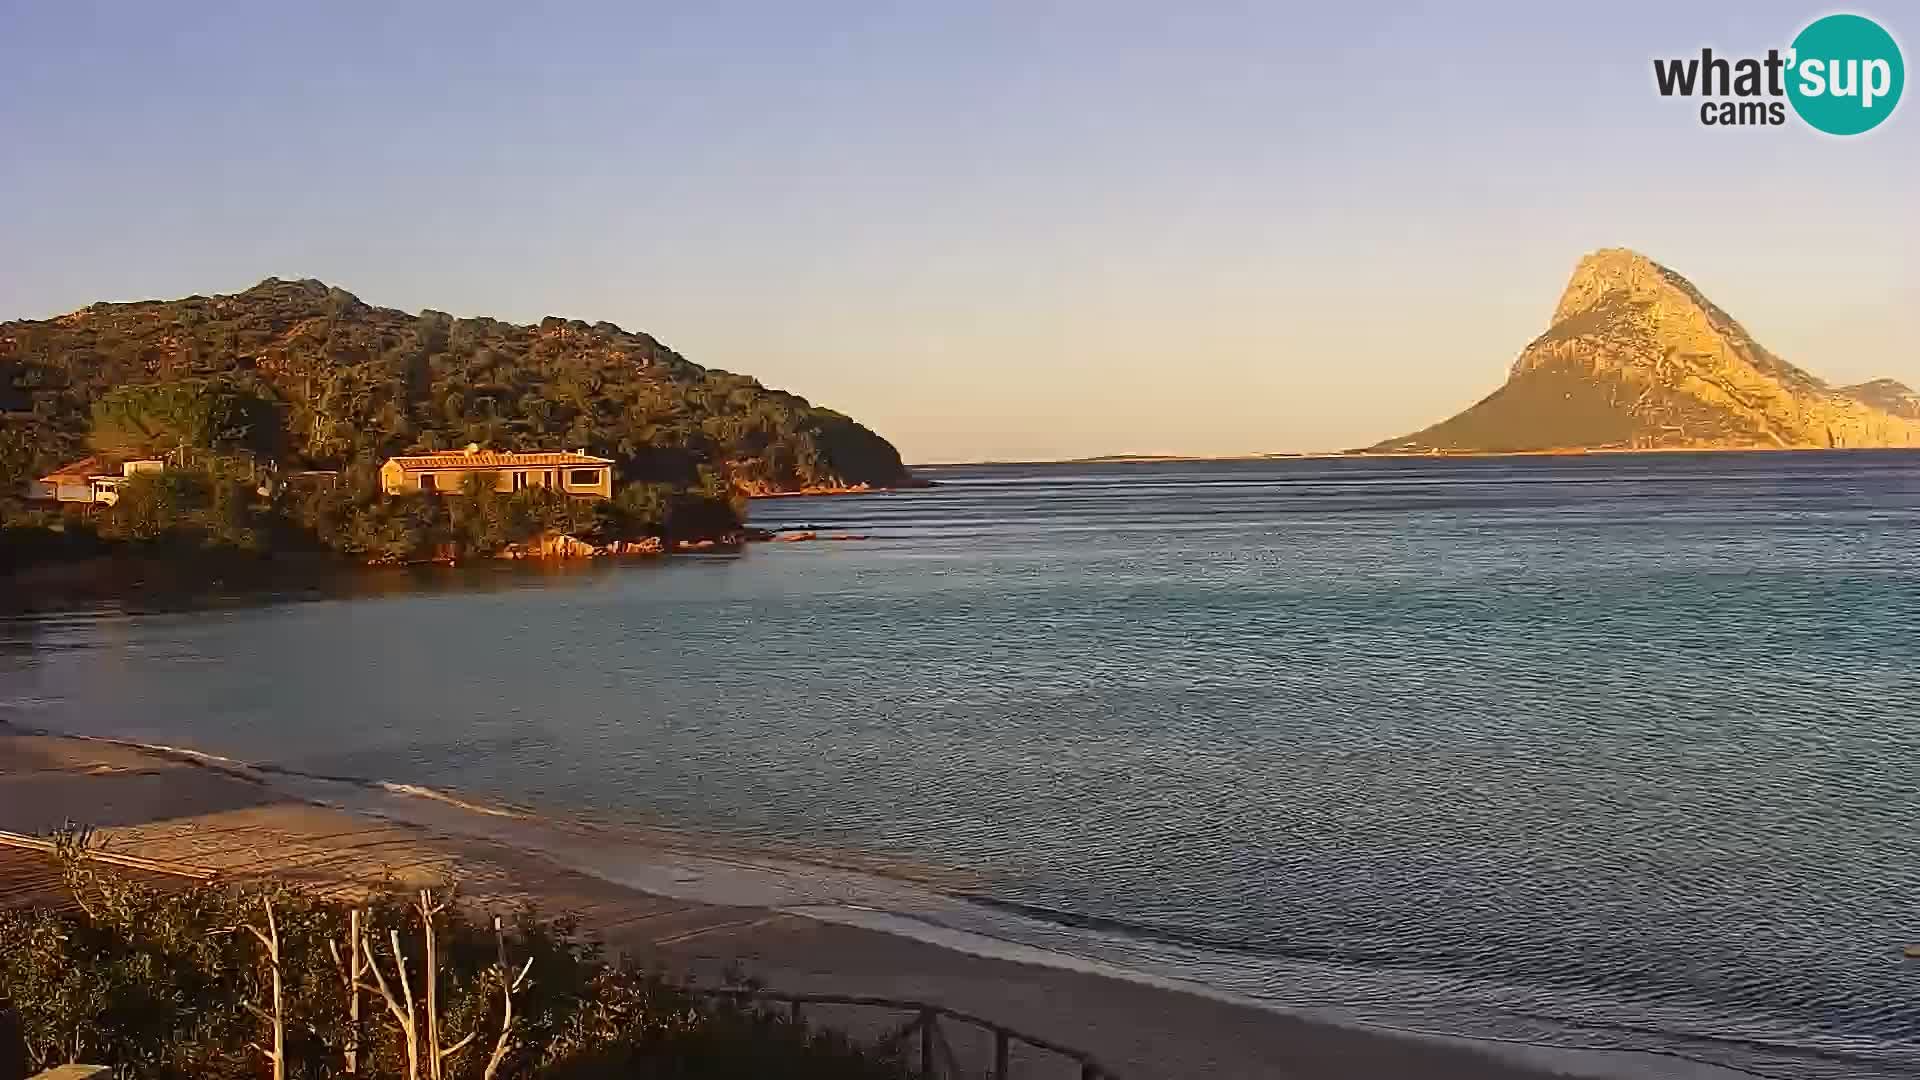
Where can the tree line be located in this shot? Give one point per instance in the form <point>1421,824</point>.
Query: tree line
<point>215,983</point>
<point>294,376</point>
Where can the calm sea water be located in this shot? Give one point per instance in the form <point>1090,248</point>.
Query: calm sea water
<point>1611,751</point>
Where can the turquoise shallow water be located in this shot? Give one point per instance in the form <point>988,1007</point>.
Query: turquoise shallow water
<point>1618,751</point>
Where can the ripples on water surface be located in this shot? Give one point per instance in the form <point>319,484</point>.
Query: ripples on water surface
<point>1617,751</point>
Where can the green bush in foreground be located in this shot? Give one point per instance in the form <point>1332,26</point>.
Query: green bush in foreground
<point>181,984</point>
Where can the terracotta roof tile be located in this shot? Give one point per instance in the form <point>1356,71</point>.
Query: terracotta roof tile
<point>78,470</point>
<point>495,459</point>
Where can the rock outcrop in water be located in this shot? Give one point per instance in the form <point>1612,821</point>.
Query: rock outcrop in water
<point>1637,358</point>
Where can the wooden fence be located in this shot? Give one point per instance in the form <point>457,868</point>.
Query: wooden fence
<point>923,1032</point>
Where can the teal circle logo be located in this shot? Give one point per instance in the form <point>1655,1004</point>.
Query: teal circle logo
<point>1845,74</point>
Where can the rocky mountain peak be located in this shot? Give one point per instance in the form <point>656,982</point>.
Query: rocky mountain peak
<point>1638,358</point>
<point>1613,276</point>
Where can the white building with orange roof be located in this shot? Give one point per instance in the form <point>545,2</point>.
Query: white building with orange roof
<point>574,473</point>
<point>93,480</point>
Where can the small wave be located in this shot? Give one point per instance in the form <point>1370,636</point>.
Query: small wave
<point>1219,943</point>
<point>1572,1030</point>
<point>231,766</point>
<point>26,704</point>
<point>420,792</point>
<point>257,772</point>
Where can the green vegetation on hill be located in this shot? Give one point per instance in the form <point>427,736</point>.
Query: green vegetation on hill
<point>294,375</point>
<point>351,382</point>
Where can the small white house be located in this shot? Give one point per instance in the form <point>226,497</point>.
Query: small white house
<point>89,481</point>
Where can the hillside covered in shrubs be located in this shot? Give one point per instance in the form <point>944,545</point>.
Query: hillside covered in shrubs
<point>293,376</point>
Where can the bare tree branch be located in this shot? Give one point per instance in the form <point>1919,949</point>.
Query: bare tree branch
<point>461,1045</point>
<point>432,978</point>
<point>402,1016</point>
<point>277,1057</point>
<point>400,965</point>
<point>350,971</point>
<point>508,986</point>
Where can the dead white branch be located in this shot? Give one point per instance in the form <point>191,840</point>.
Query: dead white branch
<point>437,1054</point>
<point>427,911</point>
<point>270,940</point>
<point>509,985</point>
<point>351,970</point>
<point>403,1016</point>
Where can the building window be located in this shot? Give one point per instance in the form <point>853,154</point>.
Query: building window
<point>519,481</point>
<point>426,481</point>
<point>585,478</point>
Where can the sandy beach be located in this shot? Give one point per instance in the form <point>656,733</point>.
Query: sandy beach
<point>213,816</point>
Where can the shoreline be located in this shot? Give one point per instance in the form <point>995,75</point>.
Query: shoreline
<point>1419,455</point>
<point>692,907</point>
<point>846,489</point>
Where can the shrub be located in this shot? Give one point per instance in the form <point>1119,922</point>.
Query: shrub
<point>181,985</point>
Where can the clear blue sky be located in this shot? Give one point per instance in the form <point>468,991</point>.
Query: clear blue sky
<point>1017,230</point>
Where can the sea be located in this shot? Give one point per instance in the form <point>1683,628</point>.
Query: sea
<point>1607,752</point>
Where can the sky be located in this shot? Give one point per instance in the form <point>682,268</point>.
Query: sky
<point>989,231</point>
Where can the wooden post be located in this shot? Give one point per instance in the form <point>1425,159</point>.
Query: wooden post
<point>999,1054</point>
<point>927,1019</point>
<point>1088,1072</point>
<point>797,1021</point>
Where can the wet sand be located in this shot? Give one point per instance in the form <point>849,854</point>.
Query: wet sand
<point>171,809</point>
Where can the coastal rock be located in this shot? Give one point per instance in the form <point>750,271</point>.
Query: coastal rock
<point>801,536</point>
<point>564,547</point>
<point>560,546</point>
<point>1638,359</point>
<point>760,489</point>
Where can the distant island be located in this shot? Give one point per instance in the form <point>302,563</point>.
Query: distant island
<point>259,421</point>
<point>1638,359</point>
